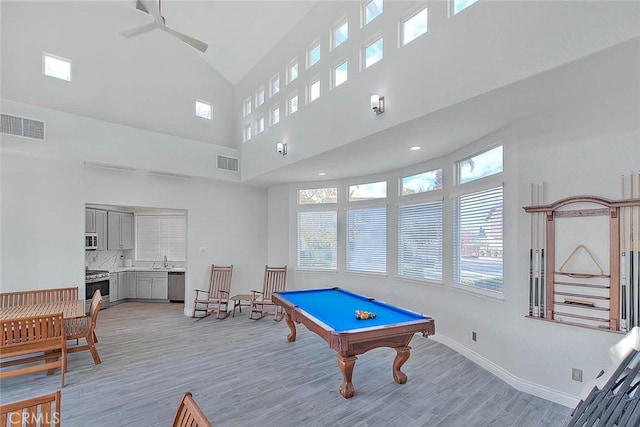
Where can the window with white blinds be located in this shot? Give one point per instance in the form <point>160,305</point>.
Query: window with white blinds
<point>420,241</point>
<point>317,239</point>
<point>478,237</point>
<point>367,239</point>
<point>160,235</point>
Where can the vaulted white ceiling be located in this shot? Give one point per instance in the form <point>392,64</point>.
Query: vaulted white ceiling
<point>239,33</point>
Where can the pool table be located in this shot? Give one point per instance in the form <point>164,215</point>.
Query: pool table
<point>330,313</point>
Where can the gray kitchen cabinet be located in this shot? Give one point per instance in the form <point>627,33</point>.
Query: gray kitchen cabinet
<point>113,287</point>
<point>152,285</point>
<point>127,285</point>
<point>120,230</point>
<point>101,228</point>
<point>90,220</point>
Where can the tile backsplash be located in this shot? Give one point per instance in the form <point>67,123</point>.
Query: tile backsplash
<point>109,260</point>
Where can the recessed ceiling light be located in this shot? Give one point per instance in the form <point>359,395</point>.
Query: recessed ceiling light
<point>322,173</point>
<point>415,147</point>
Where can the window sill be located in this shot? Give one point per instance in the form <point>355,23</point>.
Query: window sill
<point>480,293</point>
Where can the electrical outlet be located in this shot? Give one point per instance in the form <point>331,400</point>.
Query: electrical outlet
<point>474,336</point>
<point>576,374</point>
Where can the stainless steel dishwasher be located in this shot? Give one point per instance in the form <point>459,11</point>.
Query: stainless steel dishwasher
<point>176,286</point>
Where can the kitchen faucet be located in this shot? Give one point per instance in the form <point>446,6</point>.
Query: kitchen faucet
<point>164,262</point>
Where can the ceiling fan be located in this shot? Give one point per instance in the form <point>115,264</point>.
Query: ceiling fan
<point>155,10</point>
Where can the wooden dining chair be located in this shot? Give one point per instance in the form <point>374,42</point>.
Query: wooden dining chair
<point>39,411</point>
<point>189,413</point>
<point>216,299</point>
<point>84,328</point>
<point>275,279</point>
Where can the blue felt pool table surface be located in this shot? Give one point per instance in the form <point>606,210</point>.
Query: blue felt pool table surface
<point>336,308</point>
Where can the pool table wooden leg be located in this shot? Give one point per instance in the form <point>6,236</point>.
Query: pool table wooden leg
<point>292,327</point>
<point>346,365</point>
<point>402,356</point>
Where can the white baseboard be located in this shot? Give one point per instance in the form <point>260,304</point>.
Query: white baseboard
<point>517,383</point>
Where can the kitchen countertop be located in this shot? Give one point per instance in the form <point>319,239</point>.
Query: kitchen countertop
<point>147,269</point>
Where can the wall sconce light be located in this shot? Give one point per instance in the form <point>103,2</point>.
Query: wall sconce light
<point>281,148</point>
<point>377,104</point>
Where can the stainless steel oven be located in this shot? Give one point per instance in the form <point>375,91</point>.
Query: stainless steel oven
<point>97,280</point>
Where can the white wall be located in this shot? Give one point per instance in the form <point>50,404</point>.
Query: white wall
<point>576,149</point>
<point>44,196</point>
<point>113,78</point>
<point>490,45</point>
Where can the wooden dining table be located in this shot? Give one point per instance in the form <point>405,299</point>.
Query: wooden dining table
<point>69,309</point>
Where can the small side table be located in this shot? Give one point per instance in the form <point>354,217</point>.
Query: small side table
<point>237,302</point>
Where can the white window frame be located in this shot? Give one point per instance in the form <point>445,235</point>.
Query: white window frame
<point>452,7</point>
<point>209,116</point>
<point>334,82</point>
<point>290,66</point>
<point>260,124</point>
<point>272,87</point>
<point>339,25</point>
<point>289,99</point>
<point>46,55</point>
<point>246,133</point>
<point>260,96</point>
<point>310,88</point>
<point>364,12</point>
<point>312,47</point>
<point>408,18</point>
<point>271,115</point>
<point>247,106</point>
<point>364,53</point>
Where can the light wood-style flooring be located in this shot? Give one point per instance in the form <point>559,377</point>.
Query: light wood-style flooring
<point>244,373</point>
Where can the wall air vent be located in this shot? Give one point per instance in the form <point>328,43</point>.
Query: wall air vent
<point>20,126</point>
<point>227,163</point>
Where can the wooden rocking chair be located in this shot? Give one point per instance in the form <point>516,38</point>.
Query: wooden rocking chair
<point>275,279</point>
<point>217,297</point>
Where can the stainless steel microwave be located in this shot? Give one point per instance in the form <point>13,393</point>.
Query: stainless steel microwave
<point>90,241</point>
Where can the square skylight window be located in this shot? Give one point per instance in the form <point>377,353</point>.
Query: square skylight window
<point>292,71</point>
<point>340,34</point>
<point>275,115</point>
<point>372,9</point>
<point>246,107</point>
<point>204,109</point>
<point>340,73</point>
<point>246,133</point>
<point>314,91</point>
<point>373,53</point>
<point>57,67</point>
<point>260,97</point>
<point>274,84</point>
<point>414,26</point>
<point>313,55</point>
<point>460,5</point>
<point>260,124</point>
<point>292,104</point>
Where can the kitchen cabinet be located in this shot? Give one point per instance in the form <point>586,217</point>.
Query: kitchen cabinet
<point>101,228</point>
<point>120,230</point>
<point>152,285</point>
<point>127,285</point>
<point>89,220</point>
<point>113,287</point>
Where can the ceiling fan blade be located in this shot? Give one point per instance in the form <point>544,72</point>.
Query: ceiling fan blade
<point>201,46</point>
<point>139,30</point>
